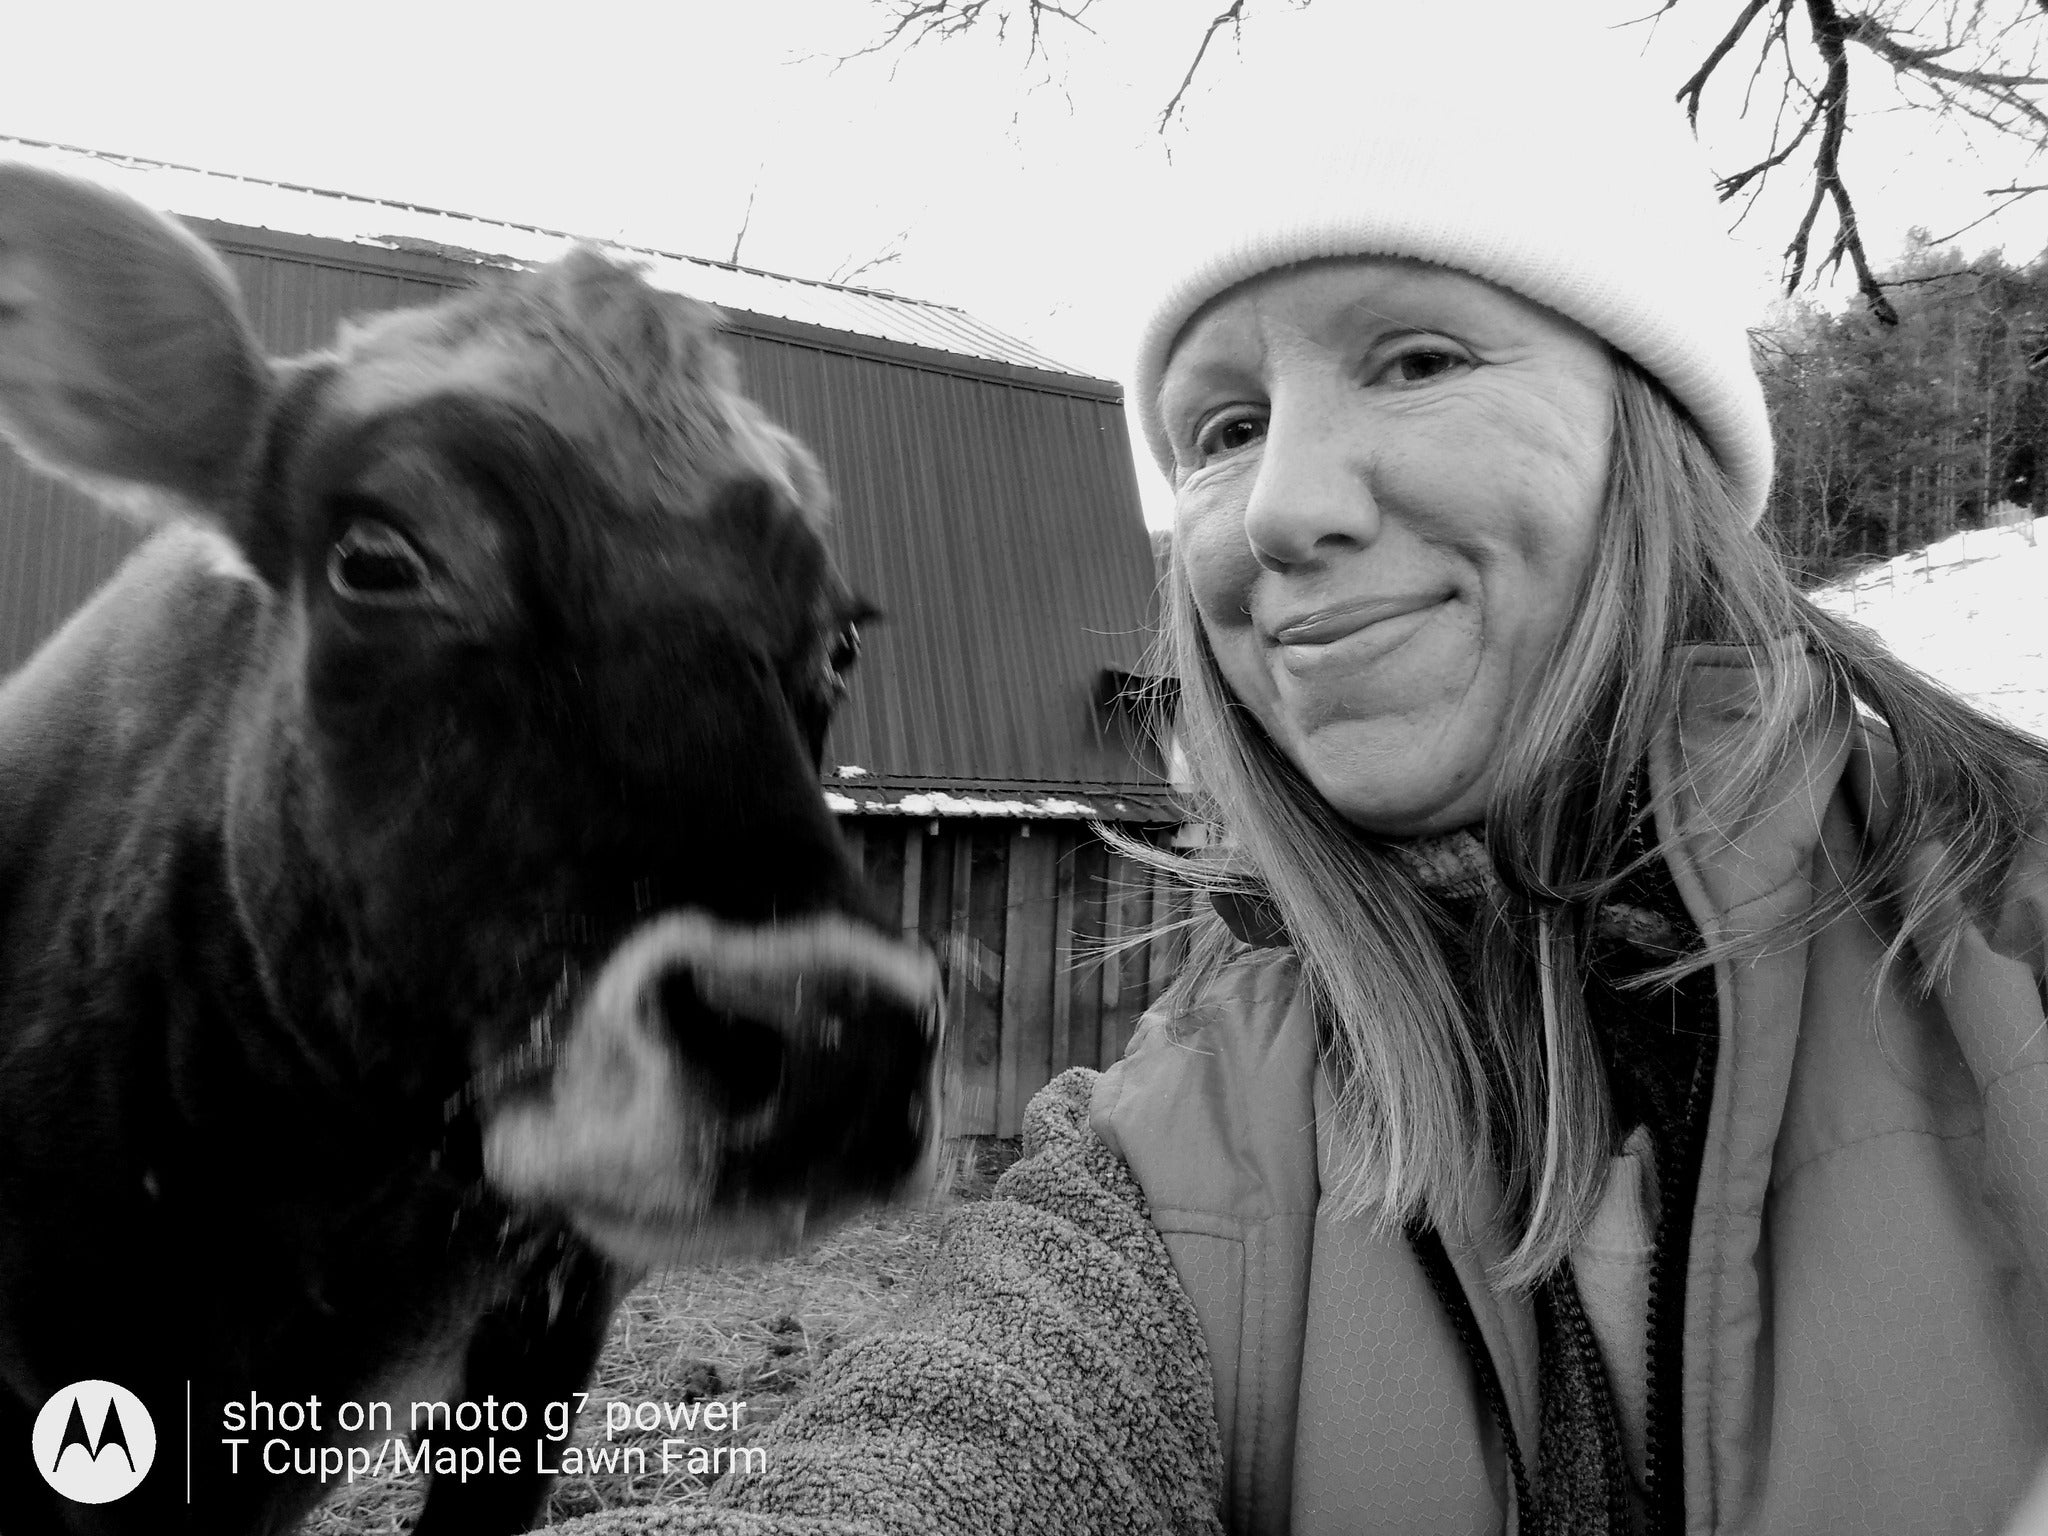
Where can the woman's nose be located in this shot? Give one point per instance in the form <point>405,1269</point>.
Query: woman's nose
<point>1312,496</point>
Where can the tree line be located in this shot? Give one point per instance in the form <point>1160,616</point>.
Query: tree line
<point>1892,436</point>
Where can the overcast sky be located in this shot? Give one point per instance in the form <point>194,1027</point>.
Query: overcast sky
<point>1010,188</point>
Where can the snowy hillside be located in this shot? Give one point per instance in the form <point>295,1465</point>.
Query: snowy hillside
<point>1971,610</point>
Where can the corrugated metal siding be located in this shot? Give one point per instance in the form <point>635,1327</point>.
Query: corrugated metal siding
<point>996,523</point>
<point>997,528</point>
<point>56,547</point>
<point>297,304</point>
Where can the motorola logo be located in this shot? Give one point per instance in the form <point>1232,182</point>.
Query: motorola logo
<point>94,1441</point>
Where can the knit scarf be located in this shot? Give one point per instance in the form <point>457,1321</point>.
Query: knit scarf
<point>1580,1484</point>
<point>1455,868</point>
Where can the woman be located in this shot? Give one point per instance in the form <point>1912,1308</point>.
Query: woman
<point>1615,1093</point>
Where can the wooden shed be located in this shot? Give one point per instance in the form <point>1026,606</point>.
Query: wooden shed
<point>988,506</point>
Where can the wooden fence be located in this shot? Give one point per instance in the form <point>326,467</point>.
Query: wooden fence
<point>1042,931</point>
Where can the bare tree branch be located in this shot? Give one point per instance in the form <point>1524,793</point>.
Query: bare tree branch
<point>1975,71</point>
<point>1973,60</point>
<point>1830,32</point>
<point>1730,185</point>
<point>2011,195</point>
<point>1774,33</point>
<point>1879,39</point>
<point>887,256</point>
<point>1928,277</point>
<point>1689,93</point>
<point>1232,17</point>
<point>920,21</point>
<point>745,219</point>
<point>917,23</point>
<point>1777,153</point>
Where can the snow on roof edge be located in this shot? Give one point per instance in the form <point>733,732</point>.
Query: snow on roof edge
<point>945,805</point>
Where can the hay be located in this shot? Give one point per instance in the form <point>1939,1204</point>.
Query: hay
<point>751,1333</point>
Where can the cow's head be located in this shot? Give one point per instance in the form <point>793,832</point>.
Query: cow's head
<point>521,804</point>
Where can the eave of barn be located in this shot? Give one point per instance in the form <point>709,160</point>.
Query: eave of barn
<point>851,791</point>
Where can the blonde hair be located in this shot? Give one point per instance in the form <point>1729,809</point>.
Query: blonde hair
<point>1438,1103</point>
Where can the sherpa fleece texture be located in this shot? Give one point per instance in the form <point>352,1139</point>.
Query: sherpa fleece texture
<point>1048,1374</point>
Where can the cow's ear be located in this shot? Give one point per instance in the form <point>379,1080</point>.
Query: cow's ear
<point>125,359</point>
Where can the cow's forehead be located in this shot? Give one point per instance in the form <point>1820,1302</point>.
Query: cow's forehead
<point>637,377</point>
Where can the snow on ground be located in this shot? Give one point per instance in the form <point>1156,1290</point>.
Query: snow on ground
<point>1971,610</point>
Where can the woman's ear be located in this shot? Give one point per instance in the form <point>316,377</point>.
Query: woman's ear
<point>126,362</point>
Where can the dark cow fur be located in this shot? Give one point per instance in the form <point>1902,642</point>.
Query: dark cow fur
<point>417,905</point>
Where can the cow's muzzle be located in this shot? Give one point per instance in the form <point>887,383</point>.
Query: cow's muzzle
<point>722,1089</point>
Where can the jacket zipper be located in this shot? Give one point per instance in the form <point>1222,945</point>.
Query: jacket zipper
<point>1664,1344</point>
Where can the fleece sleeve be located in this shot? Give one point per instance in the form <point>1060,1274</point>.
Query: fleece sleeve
<point>1048,1374</point>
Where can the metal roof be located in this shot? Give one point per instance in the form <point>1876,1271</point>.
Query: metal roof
<point>384,224</point>
<point>989,507</point>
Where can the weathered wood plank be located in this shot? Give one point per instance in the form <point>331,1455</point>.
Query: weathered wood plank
<point>1032,932</point>
<point>1029,907</point>
<point>1110,947</point>
<point>1084,974</point>
<point>912,906</point>
<point>947,869</point>
<point>880,841</point>
<point>1171,904</point>
<point>1066,874</point>
<point>1124,992</point>
<point>980,881</point>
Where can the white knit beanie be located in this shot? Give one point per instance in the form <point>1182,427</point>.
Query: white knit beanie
<point>1577,193</point>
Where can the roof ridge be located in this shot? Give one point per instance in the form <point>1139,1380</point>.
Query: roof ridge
<point>118,157</point>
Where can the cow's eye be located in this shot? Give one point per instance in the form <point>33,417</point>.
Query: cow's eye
<point>843,650</point>
<point>373,562</point>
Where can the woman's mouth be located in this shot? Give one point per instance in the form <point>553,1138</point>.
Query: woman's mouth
<point>1325,626</point>
<point>1336,644</point>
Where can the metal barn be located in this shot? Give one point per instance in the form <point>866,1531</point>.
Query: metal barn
<point>987,506</point>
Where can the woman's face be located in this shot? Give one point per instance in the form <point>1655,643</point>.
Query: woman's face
<point>1389,481</point>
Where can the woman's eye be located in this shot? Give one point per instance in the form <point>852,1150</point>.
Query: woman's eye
<point>1228,434</point>
<point>1420,367</point>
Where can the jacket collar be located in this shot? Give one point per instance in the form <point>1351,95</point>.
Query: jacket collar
<point>1739,855</point>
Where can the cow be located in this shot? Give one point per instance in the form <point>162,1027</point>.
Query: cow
<point>419,912</point>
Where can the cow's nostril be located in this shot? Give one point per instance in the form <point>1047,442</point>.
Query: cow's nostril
<point>739,1060</point>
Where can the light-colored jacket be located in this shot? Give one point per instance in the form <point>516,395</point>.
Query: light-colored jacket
<point>1865,1335</point>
